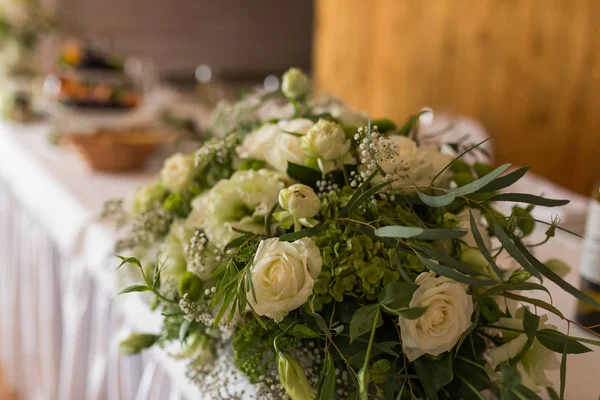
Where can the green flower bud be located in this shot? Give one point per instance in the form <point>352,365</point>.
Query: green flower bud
<point>519,276</point>
<point>482,169</point>
<point>172,202</point>
<point>191,285</point>
<point>490,311</point>
<point>136,342</point>
<point>251,163</point>
<point>559,267</point>
<point>293,379</point>
<point>300,200</point>
<point>295,84</point>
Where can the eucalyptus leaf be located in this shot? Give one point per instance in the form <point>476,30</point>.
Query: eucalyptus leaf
<point>437,201</point>
<point>513,286</point>
<point>481,182</point>
<point>535,302</point>
<point>514,251</point>
<point>548,273</point>
<point>321,324</point>
<point>363,320</point>
<point>559,342</point>
<point>366,195</point>
<point>448,261</point>
<point>530,323</point>
<point>452,274</point>
<point>405,232</point>
<point>481,245</point>
<point>504,181</point>
<point>528,199</point>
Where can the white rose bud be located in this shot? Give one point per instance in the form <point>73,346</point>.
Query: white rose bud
<point>300,200</point>
<point>325,140</point>
<point>295,84</point>
<point>177,172</point>
<point>283,276</point>
<point>448,315</point>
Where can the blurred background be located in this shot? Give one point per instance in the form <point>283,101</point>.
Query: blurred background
<point>528,71</point>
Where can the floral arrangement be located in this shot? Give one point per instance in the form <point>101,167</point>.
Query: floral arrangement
<point>311,252</point>
<point>22,22</point>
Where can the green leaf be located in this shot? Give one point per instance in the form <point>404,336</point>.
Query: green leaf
<point>437,201</point>
<point>406,312</point>
<point>448,261</point>
<point>481,245</point>
<point>552,393</point>
<point>440,371</point>
<point>481,182</point>
<point>528,199</point>
<point>135,288</point>
<point>534,301</point>
<point>548,273</point>
<point>327,388</point>
<point>304,332</point>
<point>510,379</point>
<point>524,220</point>
<point>129,260</point>
<point>237,242</point>
<point>384,125</point>
<point>303,174</point>
<point>514,251</point>
<point>290,237</point>
<point>322,324</point>
<point>183,329</point>
<point>563,373</point>
<point>514,286</point>
<point>396,295</point>
<point>366,195</point>
<point>401,270</point>
<point>530,323</point>
<point>559,342</point>
<point>363,320</point>
<point>406,232</point>
<point>504,181</point>
<point>452,274</point>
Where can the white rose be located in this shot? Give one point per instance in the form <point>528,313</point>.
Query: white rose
<point>448,315</point>
<point>337,109</point>
<point>536,361</point>
<point>271,144</point>
<point>300,200</point>
<point>283,276</point>
<point>236,202</point>
<point>177,172</point>
<point>295,84</point>
<point>412,165</point>
<point>325,140</point>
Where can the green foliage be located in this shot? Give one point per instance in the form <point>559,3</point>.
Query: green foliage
<point>253,352</point>
<point>191,285</point>
<point>251,163</point>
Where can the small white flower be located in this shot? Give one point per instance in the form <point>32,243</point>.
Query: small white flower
<point>177,172</point>
<point>326,141</point>
<point>283,276</point>
<point>536,361</point>
<point>295,84</point>
<point>300,200</point>
<point>448,315</point>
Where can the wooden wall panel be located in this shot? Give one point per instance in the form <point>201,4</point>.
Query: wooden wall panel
<point>529,70</point>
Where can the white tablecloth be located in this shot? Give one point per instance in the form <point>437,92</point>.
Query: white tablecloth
<point>60,321</point>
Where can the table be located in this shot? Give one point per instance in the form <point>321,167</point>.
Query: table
<point>60,320</point>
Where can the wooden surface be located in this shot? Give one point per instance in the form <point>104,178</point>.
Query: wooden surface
<point>529,70</point>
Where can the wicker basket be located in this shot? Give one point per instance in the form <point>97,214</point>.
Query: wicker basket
<point>116,152</point>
